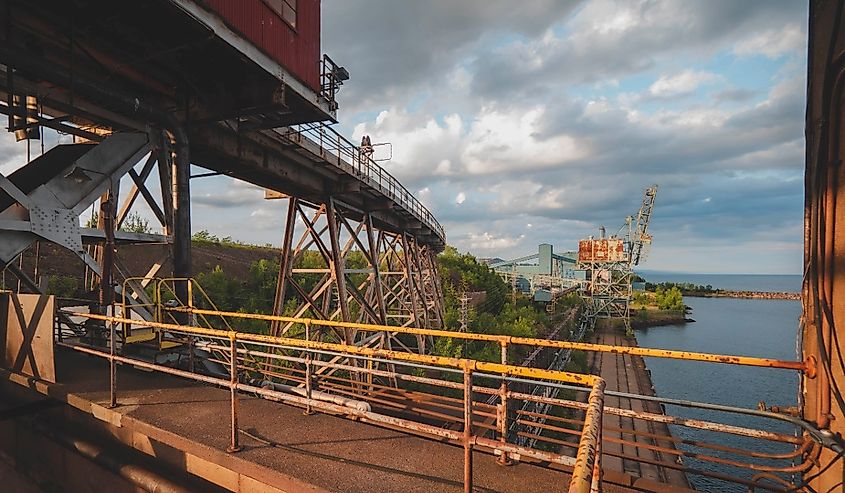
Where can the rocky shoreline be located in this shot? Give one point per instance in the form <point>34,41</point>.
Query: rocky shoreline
<point>644,324</point>
<point>760,295</point>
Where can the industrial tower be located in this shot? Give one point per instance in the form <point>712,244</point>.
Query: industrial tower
<point>610,261</point>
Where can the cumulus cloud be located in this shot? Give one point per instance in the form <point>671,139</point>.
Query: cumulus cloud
<point>389,46</point>
<point>421,146</point>
<point>487,242</point>
<point>234,193</point>
<point>583,163</point>
<point>610,39</point>
<point>774,43</point>
<point>680,84</point>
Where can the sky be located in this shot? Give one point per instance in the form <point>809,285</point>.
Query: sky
<point>539,121</point>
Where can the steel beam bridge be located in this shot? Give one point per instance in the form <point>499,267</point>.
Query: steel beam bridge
<point>149,89</point>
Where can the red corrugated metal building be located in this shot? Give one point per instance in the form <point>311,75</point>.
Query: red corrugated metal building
<point>286,30</point>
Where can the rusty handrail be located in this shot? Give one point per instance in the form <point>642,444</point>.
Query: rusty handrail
<point>459,363</point>
<point>368,171</point>
<point>808,366</point>
<point>586,474</point>
<point>586,467</point>
<point>804,366</point>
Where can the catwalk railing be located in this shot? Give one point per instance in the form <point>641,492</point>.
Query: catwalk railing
<point>340,152</point>
<point>772,462</point>
<point>248,356</point>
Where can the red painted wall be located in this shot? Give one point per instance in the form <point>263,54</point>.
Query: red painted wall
<point>298,50</point>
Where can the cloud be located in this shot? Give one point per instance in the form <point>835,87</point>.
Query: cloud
<point>236,193</point>
<point>389,46</point>
<point>774,43</point>
<point>486,241</point>
<point>427,150</point>
<point>683,83</point>
<point>733,94</point>
<point>613,39</point>
<point>502,140</point>
<point>582,163</point>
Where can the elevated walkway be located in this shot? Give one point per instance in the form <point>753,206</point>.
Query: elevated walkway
<point>412,437</point>
<point>314,162</point>
<point>183,424</point>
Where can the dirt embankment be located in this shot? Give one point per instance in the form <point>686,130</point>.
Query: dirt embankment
<point>642,319</point>
<point>136,260</point>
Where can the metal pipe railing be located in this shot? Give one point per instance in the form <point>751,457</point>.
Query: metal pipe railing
<point>586,467</point>
<point>349,158</point>
<point>451,411</point>
<point>804,366</point>
<point>503,394</point>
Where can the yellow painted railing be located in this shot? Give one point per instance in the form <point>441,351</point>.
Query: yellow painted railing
<point>586,474</point>
<point>805,366</point>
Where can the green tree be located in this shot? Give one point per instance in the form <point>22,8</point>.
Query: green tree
<point>134,223</point>
<point>669,299</point>
<point>261,286</point>
<point>221,290</point>
<point>62,286</point>
<point>494,314</point>
<point>205,237</point>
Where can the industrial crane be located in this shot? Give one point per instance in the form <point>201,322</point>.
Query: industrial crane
<point>609,262</point>
<point>638,237</point>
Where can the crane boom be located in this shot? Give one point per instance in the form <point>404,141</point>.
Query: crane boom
<point>640,238</point>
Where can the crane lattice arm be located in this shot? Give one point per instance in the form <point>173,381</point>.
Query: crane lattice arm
<point>640,239</point>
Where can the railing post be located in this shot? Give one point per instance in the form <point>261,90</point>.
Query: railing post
<point>125,328</point>
<point>339,159</point>
<point>234,445</point>
<point>588,447</point>
<point>308,372</point>
<point>467,430</point>
<point>112,363</point>
<point>191,353</point>
<point>598,472</point>
<point>502,414</point>
<point>157,302</point>
<point>190,318</point>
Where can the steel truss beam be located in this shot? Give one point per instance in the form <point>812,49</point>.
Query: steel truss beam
<point>610,289</point>
<point>94,178</point>
<point>336,265</point>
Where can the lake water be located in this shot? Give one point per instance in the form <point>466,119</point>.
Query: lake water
<point>750,327</point>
